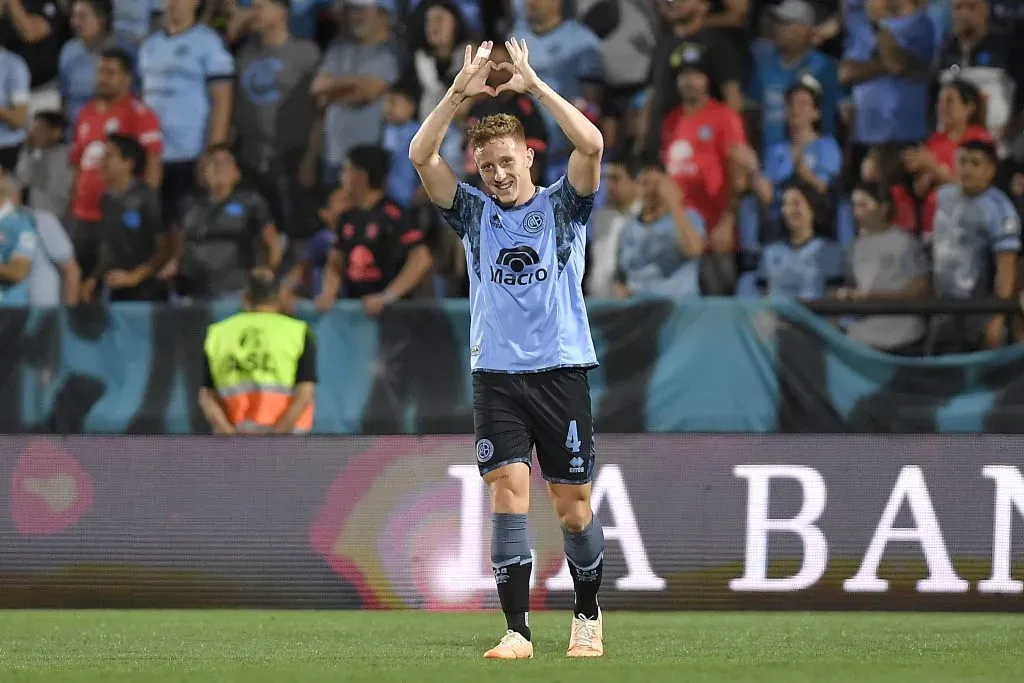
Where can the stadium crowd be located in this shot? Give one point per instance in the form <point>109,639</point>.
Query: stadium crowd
<point>866,149</point>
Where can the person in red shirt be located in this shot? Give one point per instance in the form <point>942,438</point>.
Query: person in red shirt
<point>113,110</point>
<point>702,142</point>
<point>960,118</point>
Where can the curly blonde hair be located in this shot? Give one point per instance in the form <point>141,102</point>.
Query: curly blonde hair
<point>496,126</point>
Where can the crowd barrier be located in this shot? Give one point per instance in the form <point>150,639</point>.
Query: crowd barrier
<point>711,365</point>
<point>691,522</point>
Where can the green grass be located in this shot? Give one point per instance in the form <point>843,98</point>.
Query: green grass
<point>409,647</point>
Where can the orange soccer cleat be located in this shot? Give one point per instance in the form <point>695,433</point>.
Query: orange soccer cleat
<point>587,637</point>
<point>512,646</point>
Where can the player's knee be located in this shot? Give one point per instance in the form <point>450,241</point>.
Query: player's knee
<point>573,511</point>
<point>510,488</point>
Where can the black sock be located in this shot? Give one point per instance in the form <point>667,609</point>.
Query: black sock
<point>587,582</point>
<point>514,592</point>
<point>585,552</point>
<point>512,562</point>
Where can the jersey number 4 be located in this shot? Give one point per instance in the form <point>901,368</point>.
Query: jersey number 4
<point>572,439</point>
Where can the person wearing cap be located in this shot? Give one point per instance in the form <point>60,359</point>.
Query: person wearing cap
<point>353,78</point>
<point>276,123</point>
<point>786,60</point>
<point>702,141</point>
<point>261,367</point>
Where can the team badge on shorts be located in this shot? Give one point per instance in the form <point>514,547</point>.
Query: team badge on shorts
<point>484,450</point>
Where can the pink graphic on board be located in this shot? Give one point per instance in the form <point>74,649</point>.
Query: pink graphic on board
<point>49,490</point>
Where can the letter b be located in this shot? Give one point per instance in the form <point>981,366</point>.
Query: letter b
<point>759,525</point>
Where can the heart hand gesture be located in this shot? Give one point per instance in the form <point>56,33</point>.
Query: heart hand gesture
<point>472,79</point>
<point>524,78</point>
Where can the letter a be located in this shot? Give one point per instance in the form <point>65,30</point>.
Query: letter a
<point>942,578</point>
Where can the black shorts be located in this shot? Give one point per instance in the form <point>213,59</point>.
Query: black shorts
<point>549,410</point>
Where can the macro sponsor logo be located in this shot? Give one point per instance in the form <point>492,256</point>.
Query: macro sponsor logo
<point>516,267</point>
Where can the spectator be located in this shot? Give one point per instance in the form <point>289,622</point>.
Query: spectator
<point>440,41</point>
<point>471,12</point>
<point>136,19</point>
<point>35,30</point>
<point>786,62</point>
<point>227,232</point>
<point>14,99</point>
<point>960,118</point>
<point>113,108</point>
<point>352,81</point>
<point>90,20</point>
<point>804,154</point>
<point>626,29</point>
<point>519,105</point>
<point>989,59</point>
<point>799,266</point>
<point>380,256</point>
<point>732,19</point>
<point>187,80</point>
<point>567,56</point>
<point>975,243</point>
<point>43,166</point>
<point>276,122</point>
<point>701,141</point>
<point>305,279</point>
<point>884,263</point>
<point>17,246</point>
<point>135,244</point>
<point>688,40</point>
<point>400,114</point>
<point>302,19</point>
<point>607,225</point>
<point>887,61</point>
<point>659,250</point>
<point>54,277</point>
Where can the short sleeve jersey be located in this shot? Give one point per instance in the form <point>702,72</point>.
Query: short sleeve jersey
<point>526,267</point>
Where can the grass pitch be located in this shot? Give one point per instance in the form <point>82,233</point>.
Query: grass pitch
<point>225,646</point>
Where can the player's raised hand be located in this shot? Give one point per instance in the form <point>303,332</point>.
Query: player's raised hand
<point>472,79</point>
<point>524,78</point>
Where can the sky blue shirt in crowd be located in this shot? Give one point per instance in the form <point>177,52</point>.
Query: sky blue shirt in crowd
<point>966,234</point>
<point>53,252</point>
<point>652,263</point>
<point>798,272</point>
<point>470,10</point>
<point>14,90</point>
<point>891,108</point>
<point>303,16</point>
<point>17,239</point>
<point>76,71</point>
<point>564,58</point>
<point>403,180</point>
<point>133,18</point>
<point>525,269</point>
<point>772,78</point>
<point>176,71</point>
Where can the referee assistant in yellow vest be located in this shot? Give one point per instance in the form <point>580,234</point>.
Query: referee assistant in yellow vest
<point>260,367</point>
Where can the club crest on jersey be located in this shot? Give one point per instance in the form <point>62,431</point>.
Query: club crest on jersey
<point>534,222</point>
<point>516,267</point>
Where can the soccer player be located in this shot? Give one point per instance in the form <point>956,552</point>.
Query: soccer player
<point>530,344</point>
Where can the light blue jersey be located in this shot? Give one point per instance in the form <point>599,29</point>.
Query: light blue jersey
<point>176,71</point>
<point>526,279</point>
<point>17,240</point>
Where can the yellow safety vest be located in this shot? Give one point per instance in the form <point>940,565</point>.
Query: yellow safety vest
<point>253,359</point>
